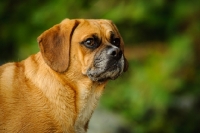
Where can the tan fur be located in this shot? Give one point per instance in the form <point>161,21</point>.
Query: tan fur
<point>49,91</point>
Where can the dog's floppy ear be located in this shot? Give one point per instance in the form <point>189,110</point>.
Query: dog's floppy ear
<point>125,65</point>
<point>55,44</point>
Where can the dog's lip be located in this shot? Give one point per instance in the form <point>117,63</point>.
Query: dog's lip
<point>102,80</point>
<point>113,64</point>
<point>108,78</point>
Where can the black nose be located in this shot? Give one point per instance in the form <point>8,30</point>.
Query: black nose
<point>114,52</point>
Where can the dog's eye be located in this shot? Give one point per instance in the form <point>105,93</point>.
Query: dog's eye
<point>92,42</point>
<point>116,42</point>
<point>89,42</point>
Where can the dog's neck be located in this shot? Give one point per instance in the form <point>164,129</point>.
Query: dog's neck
<point>61,87</point>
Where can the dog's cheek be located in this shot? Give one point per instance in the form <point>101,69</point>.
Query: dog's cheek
<point>84,70</point>
<point>87,63</point>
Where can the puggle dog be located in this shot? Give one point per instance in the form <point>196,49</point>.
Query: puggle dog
<point>57,89</point>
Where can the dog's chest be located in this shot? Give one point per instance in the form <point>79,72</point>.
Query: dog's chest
<point>87,103</point>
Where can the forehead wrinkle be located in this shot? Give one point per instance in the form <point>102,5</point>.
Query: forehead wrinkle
<point>114,28</point>
<point>111,30</point>
<point>101,29</point>
<point>88,28</point>
<point>96,24</point>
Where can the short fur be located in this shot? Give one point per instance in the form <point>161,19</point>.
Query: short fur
<point>56,90</point>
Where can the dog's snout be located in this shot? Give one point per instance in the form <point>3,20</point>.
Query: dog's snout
<point>114,52</point>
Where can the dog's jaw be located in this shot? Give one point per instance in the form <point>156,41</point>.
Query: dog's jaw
<point>105,70</point>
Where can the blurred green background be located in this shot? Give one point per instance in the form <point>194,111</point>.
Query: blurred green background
<point>161,91</point>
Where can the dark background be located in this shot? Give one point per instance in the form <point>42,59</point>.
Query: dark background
<point>161,91</point>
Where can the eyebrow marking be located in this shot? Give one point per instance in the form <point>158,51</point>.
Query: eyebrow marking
<point>112,35</point>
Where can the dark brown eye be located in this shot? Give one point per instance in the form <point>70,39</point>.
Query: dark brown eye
<point>116,42</point>
<point>89,42</point>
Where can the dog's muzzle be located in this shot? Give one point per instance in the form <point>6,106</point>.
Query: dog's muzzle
<point>108,64</point>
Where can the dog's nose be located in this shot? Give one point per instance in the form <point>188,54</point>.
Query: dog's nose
<point>114,52</point>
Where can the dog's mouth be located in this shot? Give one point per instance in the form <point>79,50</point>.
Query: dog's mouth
<point>108,64</point>
<point>106,70</point>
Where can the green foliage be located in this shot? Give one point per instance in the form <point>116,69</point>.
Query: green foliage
<point>145,93</point>
<point>160,92</point>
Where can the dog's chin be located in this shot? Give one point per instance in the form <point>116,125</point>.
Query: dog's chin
<point>110,73</point>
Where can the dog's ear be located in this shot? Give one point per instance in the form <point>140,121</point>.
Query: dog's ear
<point>125,65</point>
<point>55,44</point>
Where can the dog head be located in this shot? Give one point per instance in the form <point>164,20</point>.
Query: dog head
<point>95,48</point>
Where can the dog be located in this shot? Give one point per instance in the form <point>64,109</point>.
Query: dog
<point>57,89</point>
